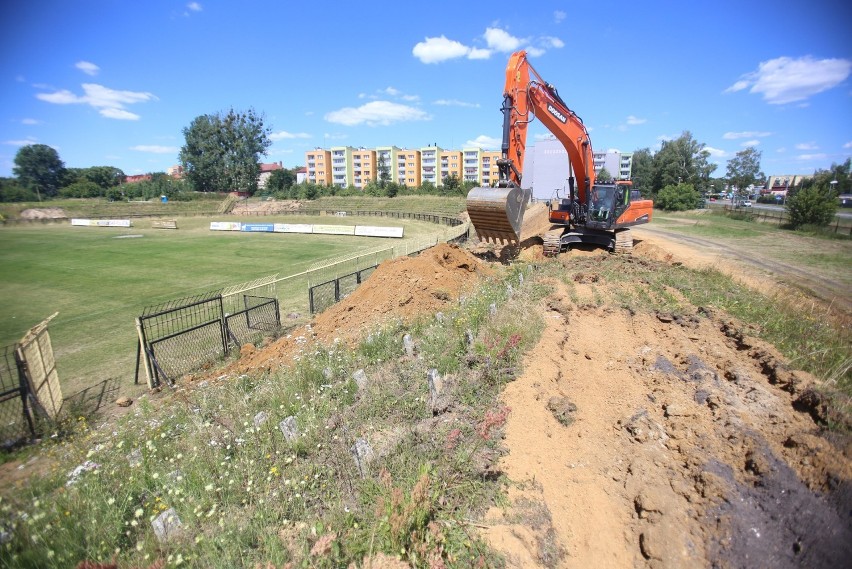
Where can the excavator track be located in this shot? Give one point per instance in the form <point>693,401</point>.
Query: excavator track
<point>623,241</point>
<point>553,241</point>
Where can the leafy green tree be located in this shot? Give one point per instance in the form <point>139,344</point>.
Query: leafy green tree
<point>680,197</point>
<point>104,176</point>
<point>451,184</point>
<point>641,171</point>
<point>81,189</point>
<point>222,151</point>
<point>384,171</point>
<point>12,191</point>
<point>603,175</point>
<point>38,167</point>
<point>815,205</point>
<point>281,180</point>
<point>744,170</point>
<point>681,161</point>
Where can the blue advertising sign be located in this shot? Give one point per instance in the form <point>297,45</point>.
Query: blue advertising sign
<point>264,227</point>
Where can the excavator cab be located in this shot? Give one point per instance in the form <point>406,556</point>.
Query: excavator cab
<point>497,214</point>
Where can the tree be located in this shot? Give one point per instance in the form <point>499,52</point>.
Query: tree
<point>681,161</point>
<point>383,169</point>
<point>222,151</point>
<point>680,197</point>
<point>104,176</point>
<point>641,171</point>
<point>451,184</point>
<point>281,180</point>
<point>744,170</point>
<point>814,205</point>
<point>604,175</point>
<point>38,167</point>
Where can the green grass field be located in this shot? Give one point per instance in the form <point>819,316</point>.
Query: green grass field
<point>100,282</point>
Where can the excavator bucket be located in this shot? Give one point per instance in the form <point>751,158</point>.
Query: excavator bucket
<point>497,213</point>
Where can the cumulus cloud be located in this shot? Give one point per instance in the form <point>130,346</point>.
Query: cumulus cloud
<point>284,135</point>
<point>194,7</point>
<point>110,103</point>
<point>376,113</point>
<point>23,142</point>
<point>436,50</point>
<point>786,80</point>
<point>455,103</point>
<point>87,67</point>
<point>631,120</point>
<point>848,145</point>
<point>715,152</point>
<point>558,16</point>
<point>812,157</point>
<point>484,142</point>
<point>155,149</point>
<point>501,40</point>
<point>30,121</point>
<point>750,143</point>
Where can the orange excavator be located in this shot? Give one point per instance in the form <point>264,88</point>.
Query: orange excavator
<point>593,213</point>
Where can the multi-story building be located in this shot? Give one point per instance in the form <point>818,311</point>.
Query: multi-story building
<point>342,174</point>
<point>430,169</point>
<point>363,167</point>
<point>387,163</point>
<point>547,167</point>
<point>318,167</point>
<point>408,168</point>
<point>472,161</point>
<point>451,163</point>
<point>489,173</point>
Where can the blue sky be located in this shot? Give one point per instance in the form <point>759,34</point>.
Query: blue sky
<point>115,82</point>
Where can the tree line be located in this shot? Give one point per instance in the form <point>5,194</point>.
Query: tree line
<point>222,153</point>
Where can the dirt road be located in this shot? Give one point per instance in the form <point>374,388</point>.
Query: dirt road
<point>646,441</point>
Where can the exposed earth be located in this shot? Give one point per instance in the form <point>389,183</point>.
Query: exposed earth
<point>636,440</point>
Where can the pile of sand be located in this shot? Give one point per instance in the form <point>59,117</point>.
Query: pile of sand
<point>44,213</point>
<point>400,289</point>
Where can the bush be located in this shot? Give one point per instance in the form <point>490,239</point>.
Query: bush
<point>815,205</point>
<point>679,197</point>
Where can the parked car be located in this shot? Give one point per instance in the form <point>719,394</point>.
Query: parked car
<point>746,203</point>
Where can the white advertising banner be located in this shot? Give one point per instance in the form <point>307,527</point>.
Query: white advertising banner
<point>376,231</point>
<point>335,229</point>
<point>225,226</point>
<point>294,228</point>
<point>101,222</point>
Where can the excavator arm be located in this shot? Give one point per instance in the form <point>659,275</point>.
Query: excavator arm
<point>497,213</point>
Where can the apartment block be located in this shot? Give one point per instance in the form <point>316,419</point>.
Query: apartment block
<point>472,161</point>
<point>451,163</point>
<point>489,173</point>
<point>363,167</point>
<point>430,158</point>
<point>318,167</point>
<point>342,174</point>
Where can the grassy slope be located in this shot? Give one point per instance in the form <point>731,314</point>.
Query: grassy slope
<point>99,284</point>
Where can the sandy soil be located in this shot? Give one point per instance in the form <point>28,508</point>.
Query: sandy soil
<point>270,207</point>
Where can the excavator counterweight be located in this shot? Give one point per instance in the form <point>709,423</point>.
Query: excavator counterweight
<point>498,213</point>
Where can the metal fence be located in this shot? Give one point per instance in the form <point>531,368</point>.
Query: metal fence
<point>16,420</point>
<point>842,226</point>
<point>184,335</point>
<point>323,295</point>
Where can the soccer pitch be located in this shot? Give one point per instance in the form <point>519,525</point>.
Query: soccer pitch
<point>99,279</point>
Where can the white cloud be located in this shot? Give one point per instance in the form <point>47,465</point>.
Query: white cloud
<point>194,7</point>
<point>436,50</point>
<point>155,149</point>
<point>807,146</point>
<point>715,152</point>
<point>533,51</point>
<point>848,145</point>
<point>811,156</point>
<point>550,41</point>
<point>109,102</point>
<point>87,67</point>
<point>118,114</point>
<point>631,120</point>
<point>24,142</point>
<point>376,113</point>
<point>455,103</point>
<point>558,16</point>
<point>754,142</point>
<point>501,40</point>
<point>284,135</point>
<point>484,142</point>
<point>30,121</point>
<point>392,91</point>
<point>478,53</point>
<point>745,134</point>
<point>786,80</point>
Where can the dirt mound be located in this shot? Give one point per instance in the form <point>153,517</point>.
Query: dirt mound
<point>266,207</point>
<point>44,213</point>
<point>689,445</point>
<point>402,289</point>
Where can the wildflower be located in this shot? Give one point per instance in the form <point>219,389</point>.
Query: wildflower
<point>138,513</point>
